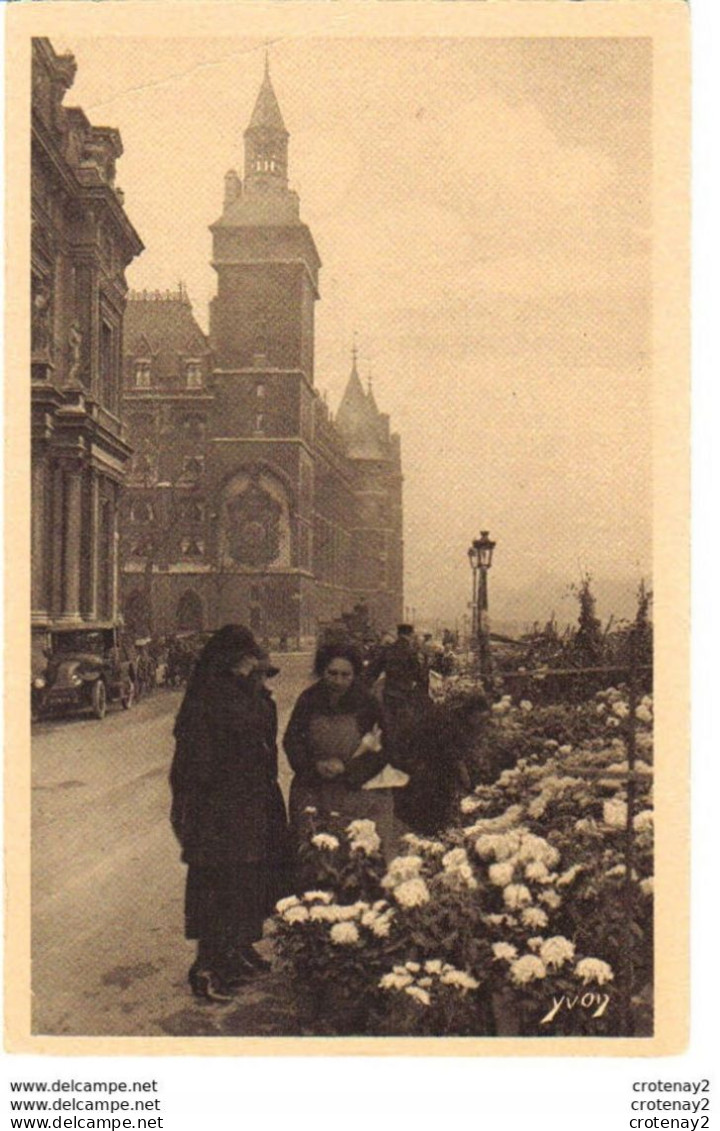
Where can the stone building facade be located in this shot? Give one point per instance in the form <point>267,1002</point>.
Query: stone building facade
<point>247,500</point>
<point>82,241</point>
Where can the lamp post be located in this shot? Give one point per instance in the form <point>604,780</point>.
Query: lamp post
<point>480,557</point>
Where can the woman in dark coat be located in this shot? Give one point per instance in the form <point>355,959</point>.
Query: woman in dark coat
<point>227,811</point>
<point>334,745</point>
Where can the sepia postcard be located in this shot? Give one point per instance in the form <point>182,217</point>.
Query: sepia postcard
<point>347,528</point>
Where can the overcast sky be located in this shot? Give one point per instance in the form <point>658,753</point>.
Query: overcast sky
<point>482,210</point>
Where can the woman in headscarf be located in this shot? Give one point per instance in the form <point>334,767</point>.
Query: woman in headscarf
<point>227,812</point>
<point>334,745</point>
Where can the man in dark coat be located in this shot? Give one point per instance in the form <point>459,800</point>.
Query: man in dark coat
<point>227,812</point>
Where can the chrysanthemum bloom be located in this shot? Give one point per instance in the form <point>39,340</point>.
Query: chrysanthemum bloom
<point>611,721</point>
<point>615,813</point>
<point>516,896</point>
<point>433,966</point>
<point>505,951</point>
<point>470,804</point>
<point>310,809</point>
<point>534,917</point>
<point>377,922</point>
<point>556,951</point>
<point>529,968</point>
<point>569,875</point>
<point>425,982</point>
<point>566,749</point>
<point>643,714</point>
<point>352,910</point>
<point>395,981</point>
<point>412,893</point>
<point>413,967</point>
<point>289,901</point>
<point>601,709</point>
<point>536,870</point>
<point>400,869</point>
<point>325,840</point>
<point>418,994</point>
<point>525,705</point>
<point>454,858</point>
<point>320,913</point>
<point>647,885</point>
<point>317,897</point>
<point>537,848</point>
<point>459,978</point>
<point>617,870</point>
<point>594,970</point>
<point>296,915</point>
<point>537,806</point>
<point>535,942</point>
<point>344,934</point>
<point>621,709</point>
<point>486,845</point>
<point>501,874</point>
<point>550,898</point>
<point>370,845</point>
<point>643,822</point>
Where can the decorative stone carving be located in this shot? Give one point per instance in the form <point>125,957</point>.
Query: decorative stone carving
<point>254,528</point>
<point>74,354</point>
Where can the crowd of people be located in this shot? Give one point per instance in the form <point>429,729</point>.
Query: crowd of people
<point>364,740</point>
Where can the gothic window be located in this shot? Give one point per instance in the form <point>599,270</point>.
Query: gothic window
<point>193,427</point>
<point>259,422</point>
<point>141,511</point>
<point>260,390</point>
<point>193,373</point>
<point>193,467</point>
<point>107,366</point>
<point>141,371</point>
<point>191,547</point>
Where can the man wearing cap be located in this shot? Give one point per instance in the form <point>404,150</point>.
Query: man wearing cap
<point>404,672</point>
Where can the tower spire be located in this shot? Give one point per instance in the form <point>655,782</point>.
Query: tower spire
<point>266,139</point>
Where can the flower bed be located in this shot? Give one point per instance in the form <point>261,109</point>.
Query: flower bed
<point>516,920</point>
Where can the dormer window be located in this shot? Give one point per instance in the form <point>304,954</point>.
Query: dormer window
<point>142,370</point>
<point>193,373</point>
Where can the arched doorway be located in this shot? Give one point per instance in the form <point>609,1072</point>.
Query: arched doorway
<point>189,615</point>
<point>137,615</point>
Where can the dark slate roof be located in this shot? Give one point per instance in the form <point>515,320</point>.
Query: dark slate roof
<point>161,325</point>
<point>266,115</point>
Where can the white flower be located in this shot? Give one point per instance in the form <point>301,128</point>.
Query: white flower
<point>423,844</point>
<point>351,910</point>
<point>601,709</point>
<point>550,898</point>
<point>413,967</point>
<point>344,934</point>
<point>536,870</point>
<point>611,721</point>
<point>529,968</point>
<point>412,893</point>
<point>618,870</point>
<point>501,874</point>
<point>535,917</point>
<point>459,978</point>
<point>319,913</point>
<point>363,837</point>
<point>537,806</point>
<point>643,822</point>
<point>569,875</point>
<point>557,950</point>
<point>643,714</point>
<point>469,804</point>
<point>289,901</point>
<point>418,994</point>
<point>516,896</point>
<point>647,885</point>
<point>325,840</point>
<point>433,966</point>
<point>317,897</point>
<point>535,942</point>
<point>621,709</point>
<point>454,858</point>
<point>500,708</point>
<point>615,813</point>
<point>296,915</point>
<point>525,705</point>
<point>505,951</point>
<point>378,923</point>
<point>594,970</point>
<point>402,868</point>
<point>566,749</point>
<point>309,809</point>
<point>395,981</point>
<point>425,982</point>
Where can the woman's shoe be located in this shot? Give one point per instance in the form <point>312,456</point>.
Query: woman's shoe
<point>206,986</point>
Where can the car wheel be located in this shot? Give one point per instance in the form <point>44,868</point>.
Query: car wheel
<point>99,699</point>
<point>129,695</point>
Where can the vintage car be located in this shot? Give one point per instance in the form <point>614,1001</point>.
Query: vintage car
<point>86,669</point>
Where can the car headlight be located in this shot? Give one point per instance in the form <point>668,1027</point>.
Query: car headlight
<point>39,683</point>
<point>76,679</point>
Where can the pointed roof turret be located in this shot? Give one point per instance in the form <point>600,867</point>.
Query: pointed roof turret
<point>357,418</point>
<point>266,115</point>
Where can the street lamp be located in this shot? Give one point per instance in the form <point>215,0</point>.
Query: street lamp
<point>480,557</point>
